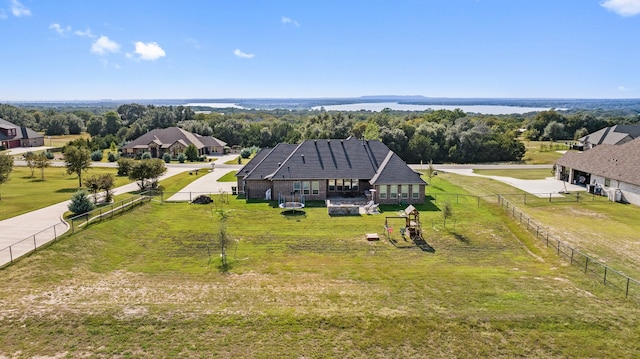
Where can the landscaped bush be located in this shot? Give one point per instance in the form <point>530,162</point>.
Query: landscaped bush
<point>182,158</point>
<point>112,157</point>
<point>166,157</point>
<point>81,203</point>
<point>245,153</point>
<point>96,155</point>
<point>49,155</point>
<point>145,156</point>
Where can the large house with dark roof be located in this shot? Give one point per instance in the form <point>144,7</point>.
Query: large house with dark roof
<point>614,135</point>
<point>12,136</point>
<point>614,169</point>
<point>320,169</point>
<point>172,140</point>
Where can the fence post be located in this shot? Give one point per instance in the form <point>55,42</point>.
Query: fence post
<point>571,261</point>
<point>547,239</point>
<point>626,293</point>
<point>478,201</point>
<point>586,264</point>
<point>55,235</point>
<point>35,245</point>
<point>528,219</point>
<point>578,197</point>
<point>11,259</point>
<point>558,247</point>
<point>605,275</point>
<point>525,198</point>
<point>549,197</point>
<point>537,230</point>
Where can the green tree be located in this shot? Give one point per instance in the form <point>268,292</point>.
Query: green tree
<point>80,203</point>
<point>30,159</point>
<point>554,131</point>
<point>112,122</point>
<point>191,152</point>
<point>6,166</point>
<point>42,161</point>
<point>77,160</point>
<point>146,172</point>
<point>125,165</point>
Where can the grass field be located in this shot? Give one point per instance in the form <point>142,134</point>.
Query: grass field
<point>527,174</point>
<point>229,177</point>
<point>147,284</point>
<point>542,152</point>
<point>23,193</point>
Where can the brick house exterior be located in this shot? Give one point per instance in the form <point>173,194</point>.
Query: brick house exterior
<point>321,169</point>
<point>12,136</point>
<point>172,140</point>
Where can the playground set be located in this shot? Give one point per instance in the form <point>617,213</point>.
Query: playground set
<point>412,229</point>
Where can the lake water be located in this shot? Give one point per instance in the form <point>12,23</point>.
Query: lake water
<point>483,109</point>
<point>213,104</point>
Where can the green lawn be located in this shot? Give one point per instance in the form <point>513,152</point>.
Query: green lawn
<point>229,177</point>
<point>527,174</point>
<point>543,152</point>
<point>23,193</point>
<point>147,284</point>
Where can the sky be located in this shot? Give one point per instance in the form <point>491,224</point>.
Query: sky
<point>67,50</point>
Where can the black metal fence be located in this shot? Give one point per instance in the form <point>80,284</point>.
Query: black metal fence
<point>109,211</point>
<point>607,275</point>
<point>31,243</point>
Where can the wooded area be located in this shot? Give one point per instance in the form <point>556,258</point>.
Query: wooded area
<point>440,135</point>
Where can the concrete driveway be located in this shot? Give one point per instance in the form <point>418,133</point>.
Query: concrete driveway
<point>540,188</point>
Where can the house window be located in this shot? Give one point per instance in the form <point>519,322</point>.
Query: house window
<point>405,191</point>
<point>296,187</point>
<point>382,192</point>
<point>415,191</point>
<point>347,185</point>
<point>306,185</point>
<point>315,187</point>
<point>332,185</point>
<point>339,185</point>
<point>354,184</point>
<point>607,182</point>
<point>393,191</point>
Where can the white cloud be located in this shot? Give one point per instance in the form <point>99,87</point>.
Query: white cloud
<point>59,29</point>
<point>19,10</point>
<point>104,45</point>
<point>242,55</point>
<point>287,20</point>
<point>150,51</point>
<point>622,88</point>
<point>85,33</point>
<point>622,7</point>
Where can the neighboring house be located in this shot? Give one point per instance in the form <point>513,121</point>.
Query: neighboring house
<point>614,135</point>
<point>12,136</point>
<point>320,169</point>
<point>172,140</point>
<point>615,169</point>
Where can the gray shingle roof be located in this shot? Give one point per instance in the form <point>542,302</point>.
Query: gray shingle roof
<point>323,159</point>
<point>612,135</point>
<point>266,161</point>
<point>169,136</point>
<point>618,162</point>
<point>21,132</point>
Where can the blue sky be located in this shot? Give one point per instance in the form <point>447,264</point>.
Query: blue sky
<point>139,49</point>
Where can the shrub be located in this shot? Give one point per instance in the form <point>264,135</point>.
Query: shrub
<point>80,203</point>
<point>182,157</point>
<point>245,153</point>
<point>49,155</point>
<point>124,166</point>
<point>191,152</point>
<point>166,157</point>
<point>112,157</point>
<point>146,156</point>
<point>96,155</point>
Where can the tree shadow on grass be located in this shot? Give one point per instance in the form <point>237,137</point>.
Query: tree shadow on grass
<point>67,190</point>
<point>461,238</point>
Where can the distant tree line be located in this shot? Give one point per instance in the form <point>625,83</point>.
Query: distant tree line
<point>438,136</point>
